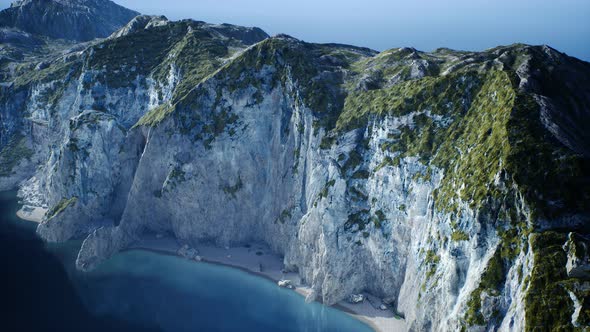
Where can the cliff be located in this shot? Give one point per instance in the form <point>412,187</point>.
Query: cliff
<point>455,183</point>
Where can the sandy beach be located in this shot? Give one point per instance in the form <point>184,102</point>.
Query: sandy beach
<point>31,213</point>
<point>259,260</point>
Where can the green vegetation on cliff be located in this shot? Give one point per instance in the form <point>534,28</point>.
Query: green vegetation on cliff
<point>477,126</point>
<point>192,49</point>
<point>13,153</point>
<point>60,207</point>
<point>547,302</point>
<point>547,288</point>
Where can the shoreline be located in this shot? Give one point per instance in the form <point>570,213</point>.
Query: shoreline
<point>258,260</point>
<point>265,276</point>
<point>251,258</point>
<point>31,213</point>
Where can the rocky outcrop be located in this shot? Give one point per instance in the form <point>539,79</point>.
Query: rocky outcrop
<point>79,20</point>
<point>578,256</point>
<point>138,23</point>
<point>93,167</point>
<point>356,298</point>
<point>442,182</point>
<point>15,36</point>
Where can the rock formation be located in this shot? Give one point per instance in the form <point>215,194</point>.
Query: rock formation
<point>453,183</point>
<point>79,20</point>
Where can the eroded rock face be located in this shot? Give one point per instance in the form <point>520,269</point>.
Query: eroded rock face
<point>429,180</point>
<point>578,256</point>
<point>92,167</point>
<point>80,20</point>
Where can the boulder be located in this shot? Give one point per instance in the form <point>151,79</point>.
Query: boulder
<point>356,298</point>
<point>285,283</point>
<point>187,252</point>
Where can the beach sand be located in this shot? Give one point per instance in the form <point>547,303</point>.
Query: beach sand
<point>31,213</point>
<point>258,259</point>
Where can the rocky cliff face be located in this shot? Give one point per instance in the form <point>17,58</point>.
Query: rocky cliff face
<point>455,183</point>
<point>79,20</point>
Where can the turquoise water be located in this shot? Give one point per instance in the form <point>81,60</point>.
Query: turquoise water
<point>178,295</point>
<point>173,294</point>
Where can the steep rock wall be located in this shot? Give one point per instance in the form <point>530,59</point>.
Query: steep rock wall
<point>427,178</point>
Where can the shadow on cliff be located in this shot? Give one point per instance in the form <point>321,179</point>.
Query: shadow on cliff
<point>37,294</point>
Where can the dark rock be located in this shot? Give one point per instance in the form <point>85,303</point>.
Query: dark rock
<point>79,20</point>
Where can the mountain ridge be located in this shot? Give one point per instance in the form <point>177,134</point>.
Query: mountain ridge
<point>455,183</point>
<point>79,20</point>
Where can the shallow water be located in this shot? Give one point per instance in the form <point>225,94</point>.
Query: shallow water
<point>178,295</point>
<point>173,294</point>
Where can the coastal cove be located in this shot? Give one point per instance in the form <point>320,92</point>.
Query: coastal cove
<point>166,174</point>
<point>150,286</point>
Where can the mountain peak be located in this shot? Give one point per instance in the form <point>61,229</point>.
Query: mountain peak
<point>138,23</point>
<point>78,20</point>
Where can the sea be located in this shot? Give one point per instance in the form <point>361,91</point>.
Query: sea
<point>139,290</point>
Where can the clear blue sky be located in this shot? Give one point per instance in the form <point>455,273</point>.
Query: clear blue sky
<point>383,24</point>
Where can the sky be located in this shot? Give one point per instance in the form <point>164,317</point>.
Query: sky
<point>383,24</point>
